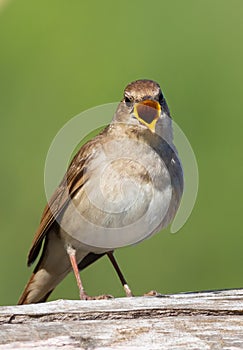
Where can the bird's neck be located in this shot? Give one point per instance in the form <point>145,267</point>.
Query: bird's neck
<point>141,132</point>
<point>164,130</point>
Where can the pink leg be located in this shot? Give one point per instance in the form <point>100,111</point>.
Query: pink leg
<point>72,256</point>
<point>83,295</point>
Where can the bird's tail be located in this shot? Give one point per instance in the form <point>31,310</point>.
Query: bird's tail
<point>32,294</point>
<point>53,266</point>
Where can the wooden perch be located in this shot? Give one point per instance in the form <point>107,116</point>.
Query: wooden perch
<point>204,320</point>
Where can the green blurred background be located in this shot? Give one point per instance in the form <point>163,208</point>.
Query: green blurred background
<point>58,58</point>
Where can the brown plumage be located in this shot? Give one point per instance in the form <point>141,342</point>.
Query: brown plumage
<point>72,181</point>
<point>137,133</point>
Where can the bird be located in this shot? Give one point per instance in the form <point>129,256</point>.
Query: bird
<point>125,182</point>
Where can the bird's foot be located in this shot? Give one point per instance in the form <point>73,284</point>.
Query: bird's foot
<point>127,290</point>
<point>85,296</point>
<point>152,293</point>
<point>103,297</point>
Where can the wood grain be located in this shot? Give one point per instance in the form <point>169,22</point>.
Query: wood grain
<point>203,320</point>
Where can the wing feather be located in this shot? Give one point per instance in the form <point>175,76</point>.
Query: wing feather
<point>73,180</point>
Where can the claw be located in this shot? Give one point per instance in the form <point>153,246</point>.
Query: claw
<point>103,297</point>
<point>152,293</point>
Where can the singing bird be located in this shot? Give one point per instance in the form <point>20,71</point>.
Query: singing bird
<point>125,183</point>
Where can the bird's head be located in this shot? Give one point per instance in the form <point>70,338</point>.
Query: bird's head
<point>144,105</point>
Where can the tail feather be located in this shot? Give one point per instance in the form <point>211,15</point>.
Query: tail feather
<point>40,286</point>
<point>26,298</point>
<point>53,266</point>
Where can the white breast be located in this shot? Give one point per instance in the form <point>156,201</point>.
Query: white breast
<point>125,199</point>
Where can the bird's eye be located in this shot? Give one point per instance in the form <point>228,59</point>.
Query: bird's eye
<point>127,101</point>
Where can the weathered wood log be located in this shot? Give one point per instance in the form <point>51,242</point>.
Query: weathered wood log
<point>204,320</point>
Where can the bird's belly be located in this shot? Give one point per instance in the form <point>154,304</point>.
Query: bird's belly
<point>124,201</point>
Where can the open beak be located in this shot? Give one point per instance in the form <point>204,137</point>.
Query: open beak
<point>148,112</point>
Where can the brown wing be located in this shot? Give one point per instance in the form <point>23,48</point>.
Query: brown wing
<point>74,179</point>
